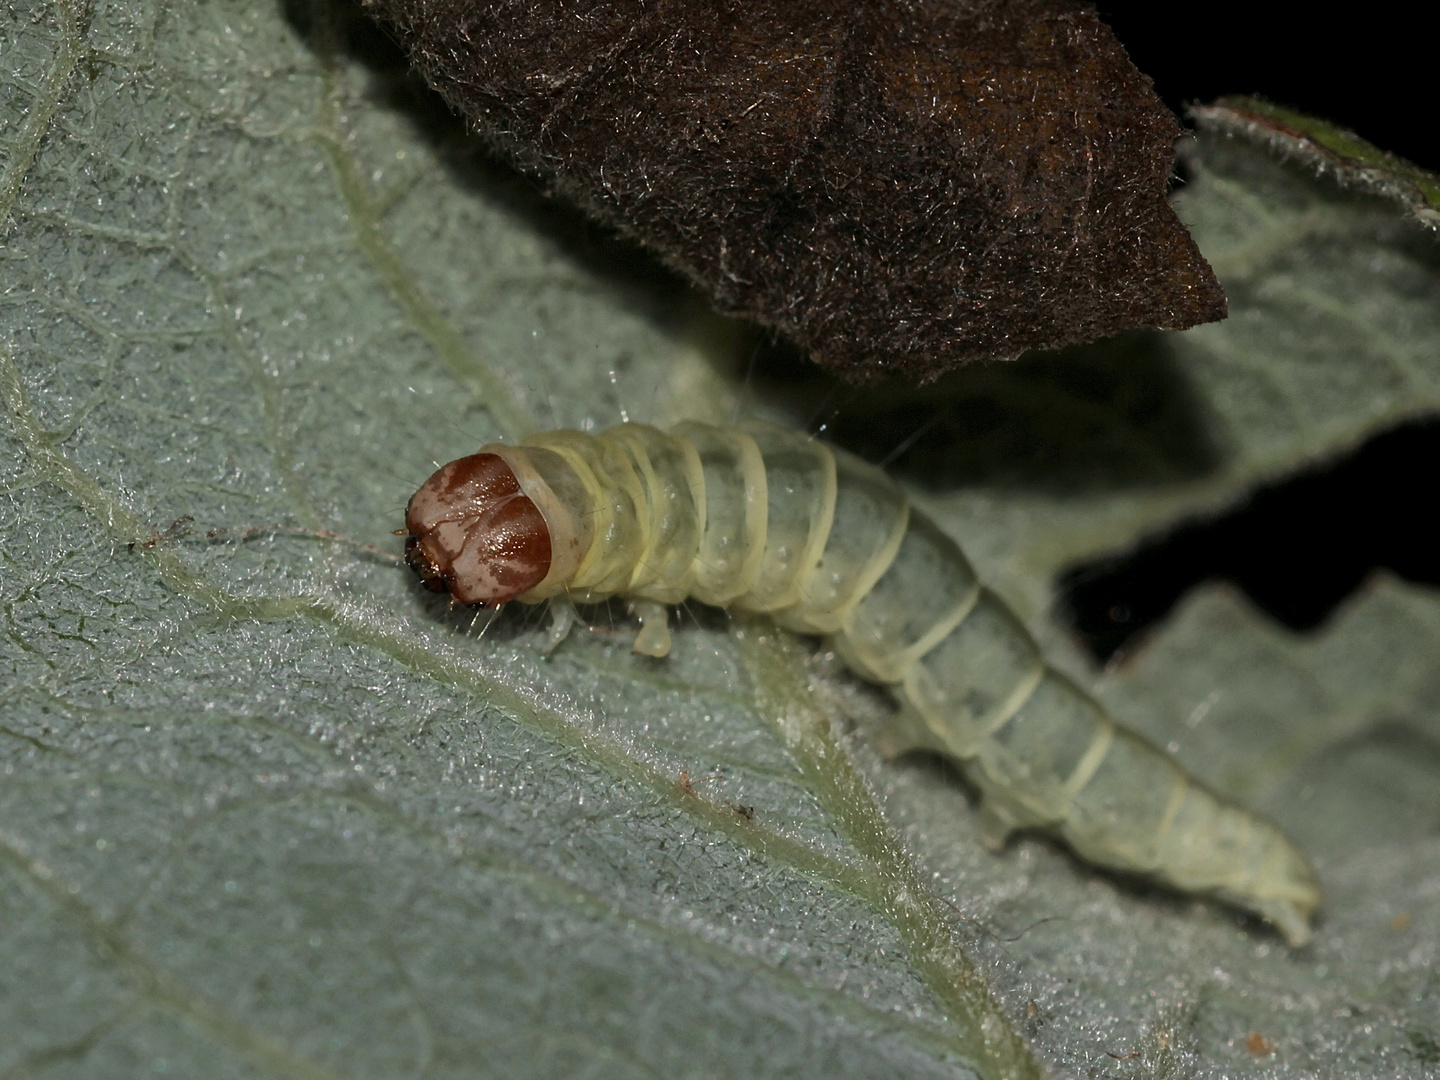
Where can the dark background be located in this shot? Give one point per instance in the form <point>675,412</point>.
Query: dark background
<point>1376,77</point>
<point>1301,548</point>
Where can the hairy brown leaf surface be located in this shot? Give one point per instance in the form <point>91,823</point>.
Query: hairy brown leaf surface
<point>900,188</point>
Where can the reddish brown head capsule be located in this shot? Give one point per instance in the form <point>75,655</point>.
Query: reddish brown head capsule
<point>475,535</point>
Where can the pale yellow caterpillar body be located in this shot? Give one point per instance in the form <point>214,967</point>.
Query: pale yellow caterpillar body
<point>760,519</point>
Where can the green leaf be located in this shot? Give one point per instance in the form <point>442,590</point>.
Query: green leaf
<point>1327,148</point>
<point>266,809</point>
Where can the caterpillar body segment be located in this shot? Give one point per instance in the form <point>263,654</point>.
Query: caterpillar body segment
<point>770,521</point>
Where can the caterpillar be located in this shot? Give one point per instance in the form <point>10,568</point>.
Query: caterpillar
<point>765,520</point>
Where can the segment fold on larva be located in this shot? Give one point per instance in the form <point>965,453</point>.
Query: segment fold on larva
<point>734,508</point>
<point>771,521</point>
<point>800,487</point>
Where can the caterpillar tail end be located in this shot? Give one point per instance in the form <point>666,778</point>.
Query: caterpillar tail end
<point>1283,889</point>
<point>1288,902</point>
<point>1290,919</point>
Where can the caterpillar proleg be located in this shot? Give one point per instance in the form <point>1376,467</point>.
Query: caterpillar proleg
<point>765,520</point>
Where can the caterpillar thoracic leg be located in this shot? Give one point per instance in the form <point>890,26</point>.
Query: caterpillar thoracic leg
<point>771,521</point>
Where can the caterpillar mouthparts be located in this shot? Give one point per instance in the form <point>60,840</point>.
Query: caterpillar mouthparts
<point>475,535</point>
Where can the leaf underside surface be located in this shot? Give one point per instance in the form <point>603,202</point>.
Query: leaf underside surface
<point>267,809</point>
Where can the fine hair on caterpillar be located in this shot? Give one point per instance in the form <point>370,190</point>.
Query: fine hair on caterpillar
<point>765,520</point>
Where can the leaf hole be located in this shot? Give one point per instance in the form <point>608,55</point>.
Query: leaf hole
<point>1297,549</point>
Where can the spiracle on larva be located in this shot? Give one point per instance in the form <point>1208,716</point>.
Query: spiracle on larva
<point>766,520</point>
